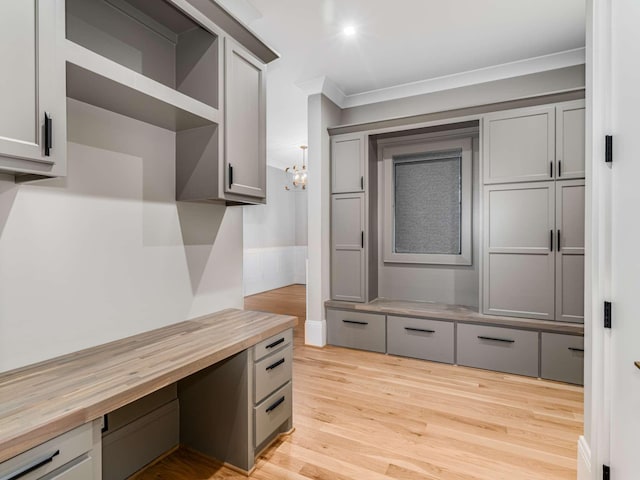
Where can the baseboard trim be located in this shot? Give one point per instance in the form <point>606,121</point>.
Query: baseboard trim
<point>584,459</point>
<point>315,333</point>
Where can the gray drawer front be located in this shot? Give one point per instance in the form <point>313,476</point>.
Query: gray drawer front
<point>563,358</point>
<point>271,413</point>
<point>272,372</point>
<point>365,331</point>
<point>518,354</point>
<point>420,338</point>
<point>273,344</point>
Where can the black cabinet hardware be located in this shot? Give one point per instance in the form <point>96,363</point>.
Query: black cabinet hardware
<point>30,467</point>
<point>355,322</point>
<point>576,349</point>
<point>361,183</point>
<point>423,330</point>
<point>274,365</point>
<point>608,148</point>
<point>607,314</point>
<point>230,175</point>
<point>559,168</point>
<point>558,245</point>
<point>551,240</point>
<point>275,405</point>
<point>362,239</point>
<point>48,134</point>
<point>494,339</point>
<point>276,343</point>
<point>551,169</point>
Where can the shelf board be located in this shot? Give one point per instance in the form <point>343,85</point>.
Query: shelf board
<point>94,79</point>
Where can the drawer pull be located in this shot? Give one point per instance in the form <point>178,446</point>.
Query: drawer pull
<point>274,365</point>
<point>275,405</point>
<point>276,343</point>
<point>494,339</point>
<point>355,322</point>
<point>30,467</point>
<point>424,330</point>
<point>576,349</point>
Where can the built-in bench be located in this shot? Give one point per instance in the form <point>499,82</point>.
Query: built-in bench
<point>460,335</point>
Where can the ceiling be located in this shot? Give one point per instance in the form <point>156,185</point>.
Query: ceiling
<point>396,42</point>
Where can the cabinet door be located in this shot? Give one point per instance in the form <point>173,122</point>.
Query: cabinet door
<point>347,252</point>
<point>519,145</point>
<point>32,87</point>
<point>519,237</point>
<point>347,163</point>
<point>570,139</point>
<point>245,122</point>
<point>570,251</point>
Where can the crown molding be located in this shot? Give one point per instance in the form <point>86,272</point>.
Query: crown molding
<point>326,86</point>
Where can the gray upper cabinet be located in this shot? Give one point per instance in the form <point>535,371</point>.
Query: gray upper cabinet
<point>32,89</point>
<point>519,145</point>
<point>570,196</point>
<point>348,163</point>
<point>570,139</point>
<point>245,122</point>
<point>348,259</point>
<point>519,240</point>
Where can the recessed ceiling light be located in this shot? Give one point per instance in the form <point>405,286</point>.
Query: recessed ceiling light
<point>349,31</point>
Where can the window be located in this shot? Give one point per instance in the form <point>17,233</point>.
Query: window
<point>427,211</point>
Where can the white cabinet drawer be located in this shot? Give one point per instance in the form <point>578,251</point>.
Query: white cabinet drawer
<point>500,349</point>
<point>420,338</point>
<point>272,372</point>
<point>49,456</point>
<point>272,413</point>
<point>273,344</point>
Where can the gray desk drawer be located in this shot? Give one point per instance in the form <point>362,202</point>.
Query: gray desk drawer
<point>365,331</point>
<point>420,338</point>
<point>272,372</point>
<point>272,413</point>
<point>273,344</point>
<point>562,358</point>
<point>501,349</point>
<point>80,471</point>
<point>59,450</point>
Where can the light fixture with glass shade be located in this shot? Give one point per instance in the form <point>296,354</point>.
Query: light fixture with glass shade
<point>299,174</point>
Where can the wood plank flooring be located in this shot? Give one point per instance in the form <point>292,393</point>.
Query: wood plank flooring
<point>368,416</point>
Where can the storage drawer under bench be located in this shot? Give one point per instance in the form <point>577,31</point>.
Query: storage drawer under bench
<point>497,348</point>
<point>364,331</point>
<point>562,358</point>
<point>421,338</point>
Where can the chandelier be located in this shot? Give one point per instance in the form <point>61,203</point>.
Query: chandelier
<point>299,173</point>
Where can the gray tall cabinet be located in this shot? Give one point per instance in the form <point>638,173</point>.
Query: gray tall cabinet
<point>32,89</point>
<point>534,212</point>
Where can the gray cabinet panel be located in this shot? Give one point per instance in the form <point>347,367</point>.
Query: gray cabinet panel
<point>273,344</point>
<point>272,372</point>
<point>347,163</point>
<point>519,239</point>
<point>519,145</point>
<point>570,217</point>
<point>32,85</point>
<point>570,139</point>
<point>562,358</point>
<point>365,331</point>
<point>348,259</point>
<point>501,349</point>
<point>421,338</point>
<point>272,413</point>
<point>245,122</point>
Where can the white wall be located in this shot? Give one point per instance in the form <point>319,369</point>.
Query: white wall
<point>106,252</point>
<point>274,247</point>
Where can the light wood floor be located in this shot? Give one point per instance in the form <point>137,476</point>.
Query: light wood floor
<point>368,416</point>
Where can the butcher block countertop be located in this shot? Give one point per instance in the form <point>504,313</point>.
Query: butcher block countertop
<point>442,311</point>
<point>44,400</point>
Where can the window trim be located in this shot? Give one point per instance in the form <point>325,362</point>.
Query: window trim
<point>408,147</point>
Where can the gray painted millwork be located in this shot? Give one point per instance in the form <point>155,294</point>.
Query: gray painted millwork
<point>570,218</point>
<point>570,139</point>
<point>348,256</point>
<point>421,338</point>
<point>32,84</point>
<point>272,413</point>
<point>519,145</point>
<point>273,344</point>
<point>272,372</point>
<point>562,358</point>
<point>348,163</point>
<point>364,331</point>
<point>497,348</point>
<point>135,410</point>
<point>519,245</point>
